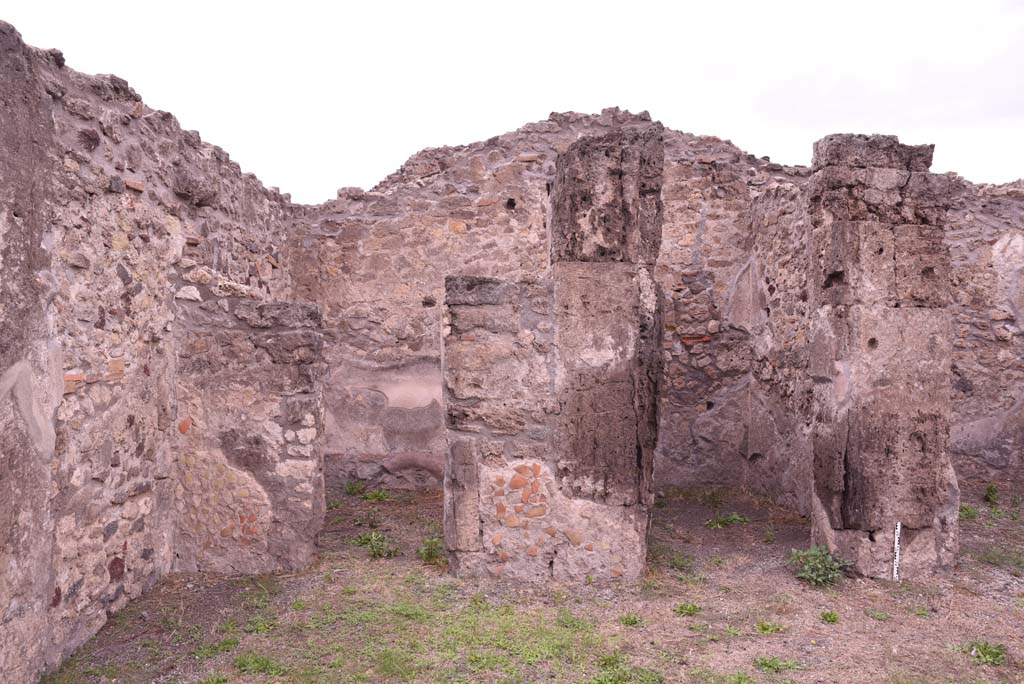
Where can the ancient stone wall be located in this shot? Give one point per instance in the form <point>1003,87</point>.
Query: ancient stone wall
<point>551,386</point>
<point>985,236</point>
<point>126,243</point>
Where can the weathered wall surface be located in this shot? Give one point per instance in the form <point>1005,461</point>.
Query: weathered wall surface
<point>985,237</point>
<point>116,226</point>
<point>551,386</point>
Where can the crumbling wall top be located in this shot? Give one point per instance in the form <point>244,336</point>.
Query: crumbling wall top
<point>870,151</point>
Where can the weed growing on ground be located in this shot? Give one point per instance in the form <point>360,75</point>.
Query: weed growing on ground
<point>985,653</point>
<point>830,616</point>
<point>991,496</point>
<point>614,670</point>
<point>215,679</point>
<point>378,544</point>
<point>774,664</point>
<point>631,620</point>
<point>686,609</point>
<point>431,551</point>
<point>251,663</point>
<point>968,512</point>
<point>354,488</point>
<point>816,566</point>
<point>709,677</point>
<point>259,624</point>
<point>879,615</point>
<point>765,627</point>
<point>722,521</point>
<point>376,495</point>
<point>209,650</point>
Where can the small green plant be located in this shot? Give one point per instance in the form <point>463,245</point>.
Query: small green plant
<point>722,521</point>
<point>686,609</point>
<point>215,679</point>
<point>354,488</point>
<point>333,505</point>
<point>431,551</point>
<point>816,566</point>
<point>985,653</point>
<point>769,537</point>
<point>879,615</point>
<point>765,627</point>
<point>378,544</point>
<point>968,512</point>
<point>922,611</point>
<point>614,669</point>
<point>709,677</point>
<point>259,625</point>
<point>298,604</point>
<point>774,664</point>
<point>567,620</point>
<point>631,620</point>
<point>991,496</point>
<point>206,651</point>
<point>829,616</point>
<point>251,663</point>
<point>376,495</point>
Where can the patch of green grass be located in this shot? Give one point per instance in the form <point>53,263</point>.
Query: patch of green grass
<point>334,505</point>
<point>722,521</point>
<point>567,620</point>
<point>209,650</point>
<point>709,677</point>
<point>376,495</point>
<point>1004,557</point>
<point>431,551</point>
<point>259,624</point>
<point>879,615</point>
<point>968,512</point>
<point>829,616</point>
<point>816,566</point>
<point>355,487</point>
<point>378,544</point>
<point>774,664</point>
<point>985,653</point>
<point>615,670</point>
<point>991,495</point>
<point>298,604</point>
<point>393,662</point>
<point>631,620</point>
<point>251,663</point>
<point>686,609</point>
<point>215,679</point>
<point>922,611</point>
<point>766,627</point>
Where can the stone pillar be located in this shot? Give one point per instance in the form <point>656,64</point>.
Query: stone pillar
<point>551,386</point>
<point>879,356</point>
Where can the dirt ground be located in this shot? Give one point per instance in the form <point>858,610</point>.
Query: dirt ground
<point>719,606</point>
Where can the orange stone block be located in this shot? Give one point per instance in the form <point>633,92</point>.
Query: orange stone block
<point>499,510</point>
<point>532,550</point>
<point>519,508</point>
<point>523,470</point>
<point>617,571</point>
<point>184,424</point>
<point>575,537</point>
<point>536,511</point>
<point>536,470</point>
<point>517,482</point>
<point>73,381</point>
<point>135,185</point>
<point>512,520</point>
<point>550,531</point>
<point>535,486</point>
<point>496,539</point>
<point>499,481</point>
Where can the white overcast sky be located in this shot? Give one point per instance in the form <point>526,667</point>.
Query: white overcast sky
<point>313,96</point>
